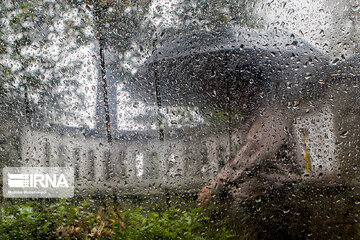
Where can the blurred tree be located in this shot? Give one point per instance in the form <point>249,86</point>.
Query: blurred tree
<point>36,37</point>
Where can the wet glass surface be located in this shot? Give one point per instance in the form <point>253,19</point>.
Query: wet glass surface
<point>180,119</point>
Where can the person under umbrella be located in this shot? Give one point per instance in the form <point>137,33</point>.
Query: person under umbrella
<point>262,73</point>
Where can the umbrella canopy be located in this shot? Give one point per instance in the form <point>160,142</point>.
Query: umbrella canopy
<point>241,67</point>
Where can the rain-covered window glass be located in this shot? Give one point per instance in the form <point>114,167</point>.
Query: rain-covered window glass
<point>183,119</point>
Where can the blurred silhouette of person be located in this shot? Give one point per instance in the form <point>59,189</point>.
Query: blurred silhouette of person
<point>254,168</point>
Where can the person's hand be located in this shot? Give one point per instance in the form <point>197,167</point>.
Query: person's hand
<point>204,196</point>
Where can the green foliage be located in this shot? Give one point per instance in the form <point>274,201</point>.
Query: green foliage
<point>23,221</point>
<point>34,220</point>
<point>222,13</point>
<point>86,220</point>
<point>222,117</point>
<point>175,223</point>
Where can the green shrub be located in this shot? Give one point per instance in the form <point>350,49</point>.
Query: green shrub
<point>34,220</point>
<point>86,220</point>
<point>175,223</point>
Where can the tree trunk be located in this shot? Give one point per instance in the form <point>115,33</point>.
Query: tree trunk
<point>99,20</point>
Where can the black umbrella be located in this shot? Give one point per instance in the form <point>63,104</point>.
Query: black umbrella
<point>207,69</point>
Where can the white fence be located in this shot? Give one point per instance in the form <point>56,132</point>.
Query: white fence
<point>182,163</point>
<point>131,165</point>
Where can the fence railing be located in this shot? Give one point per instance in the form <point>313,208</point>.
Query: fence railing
<point>131,165</point>
<point>184,162</point>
